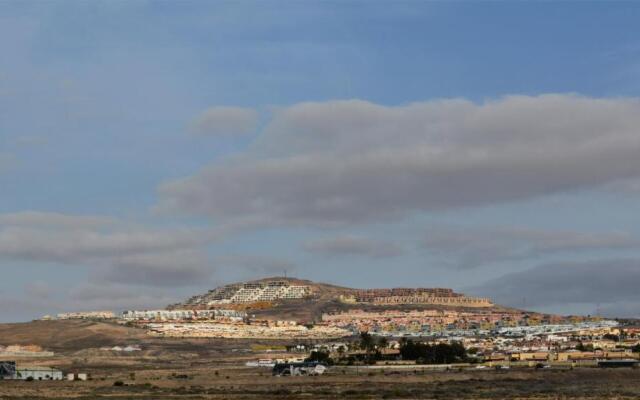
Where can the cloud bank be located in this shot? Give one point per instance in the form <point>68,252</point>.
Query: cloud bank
<point>120,252</point>
<point>354,161</point>
<point>476,247</point>
<point>611,285</point>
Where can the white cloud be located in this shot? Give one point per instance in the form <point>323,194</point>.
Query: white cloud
<point>217,121</point>
<point>355,161</point>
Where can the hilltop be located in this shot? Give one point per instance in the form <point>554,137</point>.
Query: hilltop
<point>275,299</point>
<point>305,300</point>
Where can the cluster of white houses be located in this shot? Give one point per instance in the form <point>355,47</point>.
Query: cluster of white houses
<point>82,315</point>
<point>255,330</point>
<point>251,292</point>
<point>181,315</point>
<point>156,315</point>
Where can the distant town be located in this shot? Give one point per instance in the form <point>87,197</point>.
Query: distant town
<point>254,337</point>
<point>490,334</point>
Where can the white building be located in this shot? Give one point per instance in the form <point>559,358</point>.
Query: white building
<point>84,315</point>
<point>39,374</point>
<point>177,315</point>
<point>250,292</point>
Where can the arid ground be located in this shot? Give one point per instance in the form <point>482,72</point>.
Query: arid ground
<point>208,379</point>
<point>214,369</point>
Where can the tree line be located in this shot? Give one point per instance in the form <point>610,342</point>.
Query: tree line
<point>425,353</point>
<point>421,353</point>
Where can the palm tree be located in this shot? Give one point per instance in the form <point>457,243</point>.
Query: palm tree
<point>366,342</point>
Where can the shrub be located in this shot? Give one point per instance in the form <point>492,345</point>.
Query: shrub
<point>441,353</point>
<point>320,356</point>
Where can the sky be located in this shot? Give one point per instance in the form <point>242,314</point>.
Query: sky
<point>153,150</point>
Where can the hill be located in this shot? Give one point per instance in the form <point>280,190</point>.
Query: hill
<point>70,334</point>
<point>305,301</point>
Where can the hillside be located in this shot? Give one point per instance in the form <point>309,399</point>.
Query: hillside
<point>277,299</point>
<point>305,301</point>
<point>70,334</point>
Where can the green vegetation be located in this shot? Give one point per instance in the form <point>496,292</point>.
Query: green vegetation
<point>582,347</point>
<point>372,347</point>
<point>441,353</point>
<point>320,356</point>
<point>371,352</point>
<point>367,342</point>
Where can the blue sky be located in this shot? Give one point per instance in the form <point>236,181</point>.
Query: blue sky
<point>126,180</point>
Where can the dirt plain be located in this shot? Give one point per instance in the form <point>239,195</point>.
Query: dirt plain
<point>214,369</point>
<point>209,379</point>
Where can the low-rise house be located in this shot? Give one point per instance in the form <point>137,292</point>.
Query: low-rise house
<point>83,315</point>
<point>39,373</point>
<point>77,377</point>
<point>496,357</point>
<point>595,355</point>
<point>531,356</point>
<point>183,315</point>
<point>603,344</point>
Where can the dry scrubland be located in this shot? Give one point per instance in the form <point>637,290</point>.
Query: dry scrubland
<point>208,379</point>
<point>213,369</point>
